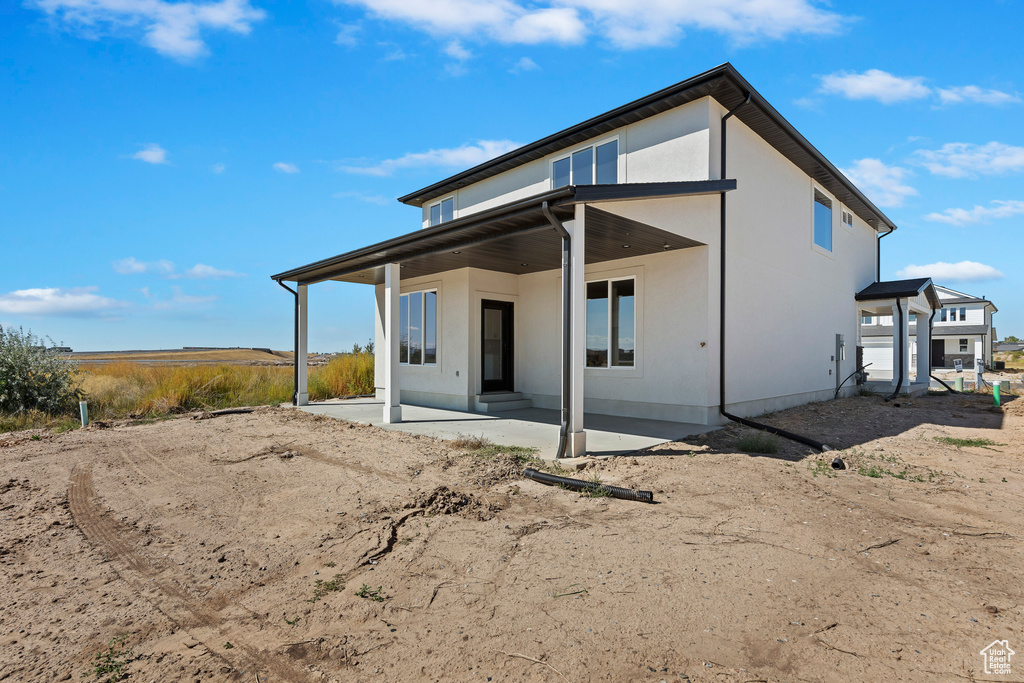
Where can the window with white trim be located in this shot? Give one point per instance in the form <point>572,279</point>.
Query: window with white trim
<point>417,337</point>
<point>963,346</point>
<point>822,221</point>
<point>611,323</point>
<point>865,319</point>
<point>847,218</point>
<point>597,164</point>
<point>443,211</point>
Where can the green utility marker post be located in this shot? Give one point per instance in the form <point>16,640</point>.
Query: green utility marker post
<point>83,409</point>
<point>995,392</point>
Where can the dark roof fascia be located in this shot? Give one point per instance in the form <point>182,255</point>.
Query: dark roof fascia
<point>503,211</point>
<point>564,139</point>
<point>586,194</point>
<point>937,330</point>
<point>892,289</point>
<point>562,197</point>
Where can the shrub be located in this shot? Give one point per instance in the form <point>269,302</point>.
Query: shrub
<point>758,442</point>
<point>33,376</point>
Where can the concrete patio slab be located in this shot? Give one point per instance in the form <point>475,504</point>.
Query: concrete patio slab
<point>531,427</point>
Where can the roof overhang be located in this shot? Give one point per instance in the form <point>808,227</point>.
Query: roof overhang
<point>879,292</point>
<point>515,237</point>
<point>724,84</point>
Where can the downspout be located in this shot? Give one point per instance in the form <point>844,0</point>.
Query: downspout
<point>931,320</point>
<point>295,352</point>
<point>903,351</point>
<point>878,255</point>
<point>721,316</point>
<point>563,429</point>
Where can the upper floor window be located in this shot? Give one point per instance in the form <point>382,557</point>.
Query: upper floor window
<point>847,219</point>
<point>597,164</point>
<point>822,221</point>
<point>611,323</point>
<point>963,313</point>
<point>443,211</point>
<point>417,339</point>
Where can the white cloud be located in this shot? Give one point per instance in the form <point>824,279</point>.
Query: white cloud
<point>964,271</point>
<point>203,272</point>
<point>875,84</point>
<point>455,50</point>
<point>881,183</point>
<point>219,168</point>
<point>171,28</point>
<point>623,25</point>
<point>465,156</point>
<point>347,35</point>
<point>378,199</point>
<point>133,266</point>
<point>962,159</point>
<point>972,93</point>
<point>889,89</point>
<point>979,214</point>
<point>283,167</point>
<point>524,64</point>
<point>180,299</point>
<point>79,301</point>
<point>152,154</point>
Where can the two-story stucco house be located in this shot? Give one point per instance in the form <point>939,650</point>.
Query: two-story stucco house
<point>687,256</point>
<point>961,330</point>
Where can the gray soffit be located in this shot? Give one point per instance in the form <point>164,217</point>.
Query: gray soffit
<point>937,330</point>
<point>725,85</point>
<point>899,289</point>
<point>514,238</point>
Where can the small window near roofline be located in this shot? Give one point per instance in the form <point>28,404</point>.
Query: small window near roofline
<point>822,221</point>
<point>443,211</point>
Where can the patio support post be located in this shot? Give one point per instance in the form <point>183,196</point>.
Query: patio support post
<point>924,350</point>
<point>901,343</point>
<point>392,301</point>
<point>301,390</point>
<point>578,312</point>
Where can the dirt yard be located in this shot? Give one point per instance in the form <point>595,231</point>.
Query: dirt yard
<point>278,546</point>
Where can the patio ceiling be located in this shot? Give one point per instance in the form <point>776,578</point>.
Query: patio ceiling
<point>515,238</point>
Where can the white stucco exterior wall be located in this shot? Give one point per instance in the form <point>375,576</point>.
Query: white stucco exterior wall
<point>673,145</point>
<point>786,298</point>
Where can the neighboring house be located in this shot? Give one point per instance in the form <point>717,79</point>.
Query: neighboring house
<point>681,257</point>
<point>1009,347</point>
<point>961,330</point>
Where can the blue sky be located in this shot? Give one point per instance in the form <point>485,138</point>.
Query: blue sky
<point>159,160</point>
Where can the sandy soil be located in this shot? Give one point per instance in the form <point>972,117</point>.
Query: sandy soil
<point>213,546</point>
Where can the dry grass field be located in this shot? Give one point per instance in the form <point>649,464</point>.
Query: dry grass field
<point>191,356</point>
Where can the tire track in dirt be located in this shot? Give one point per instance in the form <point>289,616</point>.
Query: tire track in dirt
<point>347,464</point>
<point>170,599</point>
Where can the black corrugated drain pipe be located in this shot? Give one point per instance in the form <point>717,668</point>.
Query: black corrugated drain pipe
<point>588,486</point>
<point>903,351</point>
<point>295,359</point>
<point>721,319</point>
<point>563,430</point>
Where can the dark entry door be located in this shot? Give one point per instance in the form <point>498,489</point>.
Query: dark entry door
<point>496,346</point>
<point>938,353</point>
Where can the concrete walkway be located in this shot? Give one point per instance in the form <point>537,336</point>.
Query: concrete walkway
<point>531,427</point>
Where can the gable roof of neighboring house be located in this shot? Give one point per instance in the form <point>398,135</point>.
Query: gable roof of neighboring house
<point>725,85</point>
<point>900,289</point>
<point>951,296</point>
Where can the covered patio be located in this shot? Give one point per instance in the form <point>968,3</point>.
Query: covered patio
<point>567,229</point>
<point>529,427</point>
